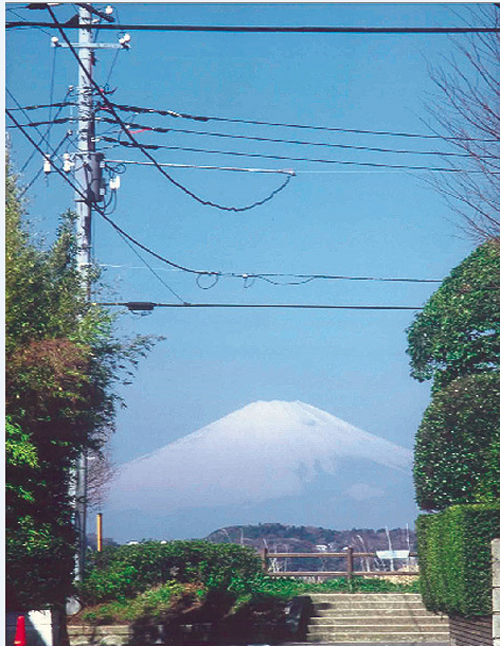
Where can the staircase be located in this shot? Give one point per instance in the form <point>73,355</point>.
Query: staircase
<point>388,618</point>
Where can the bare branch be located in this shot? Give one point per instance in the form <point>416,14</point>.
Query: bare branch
<point>468,119</point>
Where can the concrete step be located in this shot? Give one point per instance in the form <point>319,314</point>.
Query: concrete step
<point>393,618</point>
<point>371,610</point>
<point>367,598</point>
<point>371,628</point>
<point>386,621</point>
<point>361,607</point>
<point>374,599</point>
<point>327,596</point>
<point>353,637</point>
<point>382,615</point>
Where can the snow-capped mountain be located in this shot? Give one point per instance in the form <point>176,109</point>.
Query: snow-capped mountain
<point>267,453</point>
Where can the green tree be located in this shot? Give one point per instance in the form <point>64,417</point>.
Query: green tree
<point>62,365</point>
<point>457,333</point>
<point>455,342</point>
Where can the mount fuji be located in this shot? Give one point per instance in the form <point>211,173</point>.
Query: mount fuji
<point>267,462</point>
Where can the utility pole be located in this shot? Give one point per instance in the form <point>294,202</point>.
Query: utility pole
<point>83,164</point>
<point>86,143</point>
<point>90,189</point>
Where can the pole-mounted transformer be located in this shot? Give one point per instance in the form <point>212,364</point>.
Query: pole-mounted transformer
<point>96,187</point>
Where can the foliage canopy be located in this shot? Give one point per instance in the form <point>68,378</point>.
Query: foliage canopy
<point>455,341</point>
<point>62,366</point>
<point>458,332</point>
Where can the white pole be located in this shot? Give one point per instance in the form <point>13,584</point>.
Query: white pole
<point>83,238</point>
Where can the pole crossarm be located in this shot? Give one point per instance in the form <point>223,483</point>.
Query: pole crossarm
<point>89,45</point>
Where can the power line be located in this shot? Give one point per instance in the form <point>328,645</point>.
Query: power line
<point>60,104</point>
<point>245,276</point>
<point>112,67</point>
<point>51,122</point>
<point>255,122</point>
<point>215,275</point>
<point>60,107</point>
<point>77,190</point>
<point>152,270</point>
<point>205,119</point>
<point>237,169</point>
<point>40,171</point>
<point>148,305</point>
<point>305,277</point>
<point>73,23</point>
<point>97,209</point>
<point>43,138</point>
<point>150,157</point>
<point>51,91</point>
<point>301,142</point>
<point>24,21</point>
<point>295,171</point>
<point>233,153</point>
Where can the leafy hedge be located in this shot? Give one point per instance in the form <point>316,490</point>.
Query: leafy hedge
<point>455,558</point>
<point>119,573</point>
<point>457,450</point>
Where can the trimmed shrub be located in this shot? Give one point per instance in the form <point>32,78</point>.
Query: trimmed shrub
<point>455,558</point>
<point>457,450</point>
<point>119,573</point>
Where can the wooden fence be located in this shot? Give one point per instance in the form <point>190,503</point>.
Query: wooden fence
<point>349,554</point>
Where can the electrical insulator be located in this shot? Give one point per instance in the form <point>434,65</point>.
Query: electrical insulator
<point>47,166</point>
<point>125,41</point>
<point>109,10</point>
<point>114,183</point>
<point>67,163</point>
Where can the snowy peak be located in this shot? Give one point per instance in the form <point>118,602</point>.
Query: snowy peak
<point>307,433</point>
<point>263,451</point>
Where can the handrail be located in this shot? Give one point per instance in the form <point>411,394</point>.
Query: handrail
<point>305,555</point>
<point>348,554</point>
<point>321,573</point>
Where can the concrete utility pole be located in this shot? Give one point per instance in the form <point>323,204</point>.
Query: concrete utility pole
<point>86,143</point>
<point>83,164</point>
<point>89,182</point>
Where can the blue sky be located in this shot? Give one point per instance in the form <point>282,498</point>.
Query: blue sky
<point>330,219</point>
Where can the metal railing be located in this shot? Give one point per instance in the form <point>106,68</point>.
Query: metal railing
<point>348,554</point>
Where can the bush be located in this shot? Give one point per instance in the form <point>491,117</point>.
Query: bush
<point>153,604</point>
<point>457,451</point>
<point>458,332</point>
<point>455,558</point>
<point>119,573</point>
